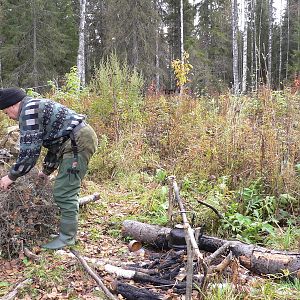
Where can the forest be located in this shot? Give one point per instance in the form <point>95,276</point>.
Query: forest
<point>196,105</point>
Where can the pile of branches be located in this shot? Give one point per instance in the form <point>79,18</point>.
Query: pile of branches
<point>28,214</point>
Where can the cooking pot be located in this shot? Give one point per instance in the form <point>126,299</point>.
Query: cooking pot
<point>176,239</point>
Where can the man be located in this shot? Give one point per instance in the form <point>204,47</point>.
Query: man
<point>70,142</point>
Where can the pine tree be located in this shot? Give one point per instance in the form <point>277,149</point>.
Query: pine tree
<point>38,39</point>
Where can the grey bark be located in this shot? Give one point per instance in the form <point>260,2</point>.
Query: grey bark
<point>157,77</point>
<point>258,50</point>
<point>288,39</point>
<point>135,49</point>
<point>270,38</point>
<point>181,31</point>
<point>81,47</point>
<point>181,38</point>
<point>235,52</point>
<point>1,82</point>
<point>254,47</point>
<point>35,72</point>
<point>280,47</point>
<point>245,48</point>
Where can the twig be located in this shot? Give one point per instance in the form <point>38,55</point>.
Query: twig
<point>31,255</point>
<point>94,275</point>
<point>218,252</point>
<point>11,295</point>
<point>223,264</point>
<point>212,208</point>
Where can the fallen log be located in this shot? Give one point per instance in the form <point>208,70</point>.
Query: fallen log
<point>87,199</point>
<point>257,259</point>
<point>150,234</point>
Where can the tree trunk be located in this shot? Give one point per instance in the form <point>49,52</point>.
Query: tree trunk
<point>157,77</point>
<point>81,48</point>
<point>258,51</point>
<point>255,74</point>
<point>235,52</point>
<point>280,47</point>
<point>1,82</point>
<point>135,49</point>
<point>35,72</point>
<point>257,259</point>
<point>245,44</point>
<point>181,39</point>
<point>288,39</point>
<point>270,43</point>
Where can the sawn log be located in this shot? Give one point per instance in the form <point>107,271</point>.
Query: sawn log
<point>257,259</point>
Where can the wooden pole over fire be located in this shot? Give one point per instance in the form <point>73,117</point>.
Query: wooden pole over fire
<point>192,245</point>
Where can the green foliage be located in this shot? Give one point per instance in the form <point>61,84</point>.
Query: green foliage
<point>269,289</point>
<point>34,50</point>
<point>117,90</point>
<point>30,92</point>
<point>257,215</point>
<point>286,238</point>
<point>161,175</point>
<point>224,291</point>
<point>4,287</point>
<point>70,93</point>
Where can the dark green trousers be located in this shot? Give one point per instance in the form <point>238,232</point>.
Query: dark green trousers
<point>67,186</point>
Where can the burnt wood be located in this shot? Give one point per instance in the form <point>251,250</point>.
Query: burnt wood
<point>257,259</point>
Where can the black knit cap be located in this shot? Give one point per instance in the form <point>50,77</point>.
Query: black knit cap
<point>10,96</point>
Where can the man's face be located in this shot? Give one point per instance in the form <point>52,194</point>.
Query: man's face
<point>11,112</point>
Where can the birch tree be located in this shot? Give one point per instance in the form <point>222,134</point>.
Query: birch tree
<point>270,38</point>
<point>81,47</point>
<point>280,47</point>
<point>245,44</point>
<point>35,70</point>
<point>254,60</point>
<point>181,39</point>
<point>288,39</point>
<point>235,52</point>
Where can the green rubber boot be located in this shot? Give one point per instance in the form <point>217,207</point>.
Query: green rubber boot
<point>66,237</point>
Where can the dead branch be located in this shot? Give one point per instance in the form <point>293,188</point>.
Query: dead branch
<point>31,255</point>
<point>94,275</point>
<point>11,295</point>
<point>223,264</point>
<point>218,252</point>
<point>212,208</point>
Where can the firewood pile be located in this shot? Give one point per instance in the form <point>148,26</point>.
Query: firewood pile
<point>27,213</point>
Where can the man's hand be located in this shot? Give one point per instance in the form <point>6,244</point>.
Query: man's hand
<point>43,177</point>
<point>5,182</point>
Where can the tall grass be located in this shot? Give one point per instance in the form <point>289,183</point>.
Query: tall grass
<point>243,138</point>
